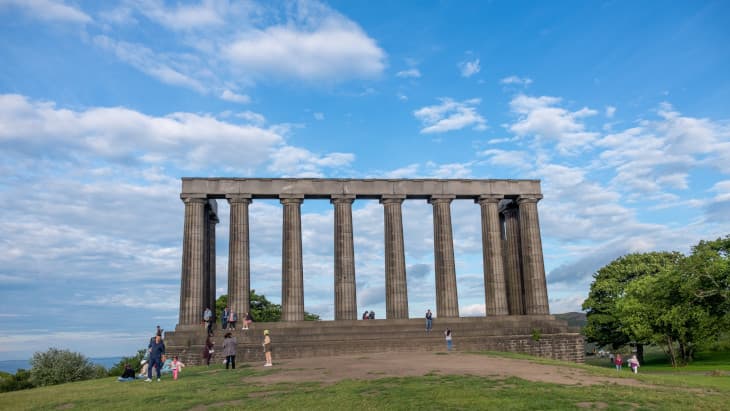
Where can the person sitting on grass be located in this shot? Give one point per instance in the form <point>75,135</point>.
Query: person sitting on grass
<point>127,375</point>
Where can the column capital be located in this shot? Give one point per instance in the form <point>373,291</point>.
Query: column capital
<point>238,198</point>
<point>342,198</point>
<point>489,198</point>
<point>392,198</point>
<point>194,199</point>
<point>529,198</point>
<point>441,198</point>
<point>291,198</point>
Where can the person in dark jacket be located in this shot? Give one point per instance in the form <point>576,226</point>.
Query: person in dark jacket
<point>208,351</point>
<point>156,350</point>
<point>229,350</point>
<point>127,375</point>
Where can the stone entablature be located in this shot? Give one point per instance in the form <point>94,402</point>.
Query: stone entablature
<point>273,188</point>
<point>514,273</point>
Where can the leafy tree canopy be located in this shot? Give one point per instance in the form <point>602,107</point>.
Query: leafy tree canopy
<point>262,309</point>
<point>57,366</point>
<point>605,326</point>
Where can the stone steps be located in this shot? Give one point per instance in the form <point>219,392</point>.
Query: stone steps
<point>297,339</point>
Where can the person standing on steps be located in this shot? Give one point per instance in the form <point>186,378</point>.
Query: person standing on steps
<point>429,321</point>
<point>232,319</point>
<point>229,350</point>
<point>267,348</point>
<point>447,334</point>
<point>208,320</point>
<point>224,318</point>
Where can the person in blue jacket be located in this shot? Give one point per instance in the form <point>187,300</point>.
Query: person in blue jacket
<point>157,351</point>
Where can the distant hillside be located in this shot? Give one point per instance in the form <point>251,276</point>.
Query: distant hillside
<point>574,319</point>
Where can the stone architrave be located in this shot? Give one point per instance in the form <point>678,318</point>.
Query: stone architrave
<point>533,268</point>
<point>345,290</point>
<point>396,287</point>
<point>191,293</point>
<point>447,299</point>
<point>512,261</point>
<point>239,260</point>
<point>292,273</point>
<point>494,288</point>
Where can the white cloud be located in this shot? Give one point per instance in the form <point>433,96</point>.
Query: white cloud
<point>256,119</point>
<point>540,116</point>
<point>228,95</point>
<point>335,49</point>
<point>185,17</point>
<point>451,115</point>
<point>318,116</point>
<point>117,134</point>
<point>49,10</point>
<point>515,80</point>
<point>610,111</point>
<point>402,97</point>
<point>167,69</point>
<point>469,68</point>
<point>298,162</point>
<point>410,73</point>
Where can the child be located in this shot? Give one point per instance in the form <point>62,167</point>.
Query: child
<point>618,361</point>
<point>634,364</point>
<point>177,367</point>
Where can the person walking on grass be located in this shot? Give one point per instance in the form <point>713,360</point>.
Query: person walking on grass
<point>618,362</point>
<point>447,334</point>
<point>229,350</point>
<point>157,351</point>
<point>176,366</point>
<point>267,348</point>
<point>208,351</point>
<point>634,364</point>
<point>429,321</point>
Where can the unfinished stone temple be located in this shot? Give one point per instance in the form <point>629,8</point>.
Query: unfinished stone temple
<point>515,291</point>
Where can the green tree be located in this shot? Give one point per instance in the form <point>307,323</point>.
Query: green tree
<point>262,309</point>
<point>659,309</point>
<point>19,381</point>
<point>707,273</point>
<point>57,366</point>
<point>604,324</point>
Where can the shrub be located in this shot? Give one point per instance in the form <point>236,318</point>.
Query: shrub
<point>57,366</point>
<point>19,381</point>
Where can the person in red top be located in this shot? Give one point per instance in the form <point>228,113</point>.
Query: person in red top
<point>618,361</point>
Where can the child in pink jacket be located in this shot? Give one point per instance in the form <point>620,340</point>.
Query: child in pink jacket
<point>176,366</point>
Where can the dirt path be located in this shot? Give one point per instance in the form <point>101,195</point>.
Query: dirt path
<point>372,366</point>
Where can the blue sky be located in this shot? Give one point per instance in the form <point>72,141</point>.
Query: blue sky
<point>620,108</point>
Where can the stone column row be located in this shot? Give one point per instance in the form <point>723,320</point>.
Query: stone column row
<point>197,283</point>
<point>514,274</point>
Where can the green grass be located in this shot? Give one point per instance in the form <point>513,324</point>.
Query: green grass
<point>219,389</point>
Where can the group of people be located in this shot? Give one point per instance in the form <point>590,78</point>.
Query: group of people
<point>229,350</point>
<point>632,362</point>
<point>229,318</point>
<point>154,359</point>
<point>368,315</point>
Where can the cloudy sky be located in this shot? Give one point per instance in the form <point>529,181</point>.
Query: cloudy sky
<point>620,108</point>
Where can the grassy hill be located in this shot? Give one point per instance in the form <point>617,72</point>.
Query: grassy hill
<point>203,388</point>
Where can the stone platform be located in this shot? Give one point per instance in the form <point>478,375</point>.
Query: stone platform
<point>539,335</point>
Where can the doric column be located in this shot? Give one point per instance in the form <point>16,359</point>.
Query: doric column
<point>396,290</point>
<point>533,268</point>
<point>191,282</point>
<point>447,299</point>
<point>345,291</point>
<point>239,260</point>
<point>211,215</point>
<point>292,274</point>
<point>494,290</point>
<point>512,263</point>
